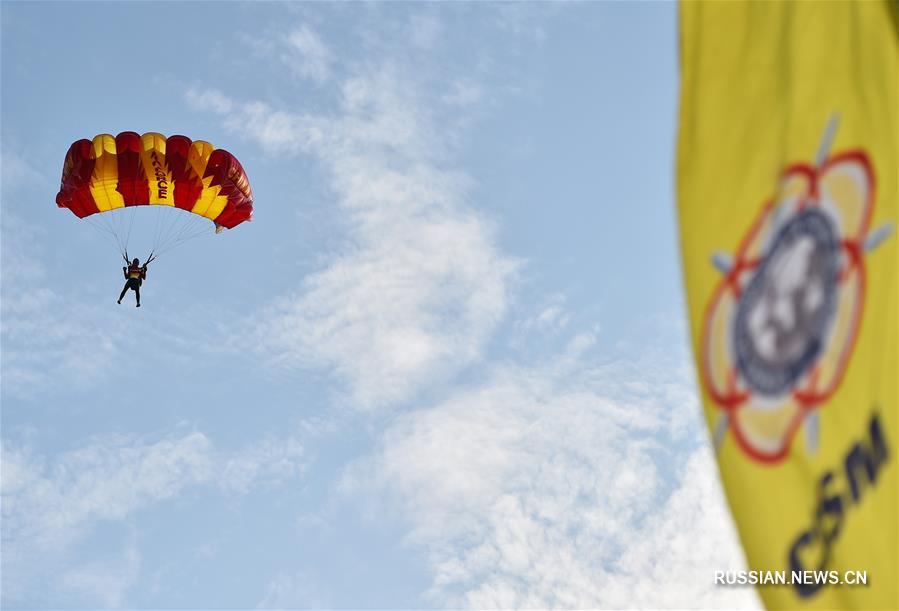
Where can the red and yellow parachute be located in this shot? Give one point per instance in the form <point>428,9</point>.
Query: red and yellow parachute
<point>114,172</point>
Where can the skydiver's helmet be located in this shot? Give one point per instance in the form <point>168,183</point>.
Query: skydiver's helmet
<point>136,261</point>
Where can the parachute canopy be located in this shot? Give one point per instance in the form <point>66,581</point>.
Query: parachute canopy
<point>113,172</point>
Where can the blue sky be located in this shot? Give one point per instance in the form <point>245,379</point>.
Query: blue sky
<point>444,366</point>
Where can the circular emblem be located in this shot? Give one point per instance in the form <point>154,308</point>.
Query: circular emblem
<point>785,311</point>
<point>781,323</point>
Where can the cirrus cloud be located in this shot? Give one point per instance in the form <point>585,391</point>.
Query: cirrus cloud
<point>562,485</point>
<point>419,284</point>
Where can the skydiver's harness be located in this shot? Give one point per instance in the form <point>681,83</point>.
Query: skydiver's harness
<point>136,272</point>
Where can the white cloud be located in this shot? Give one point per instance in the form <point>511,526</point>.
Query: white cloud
<point>307,54</point>
<point>550,485</point>
<point>296,591</point>
<point>114,475</point>
<point>267,462</point>
<point>524,20</point>
<point>47,339</point>
<point>49,504</point>
<point>59,340</point>
<point>419,284</point>
<point>17,172</point>
<point>424,30</point>
<point>464,93</point>
<point>548,319</point>
<point>212,100</point>
<point>107,581</point>
<point>561,485</point>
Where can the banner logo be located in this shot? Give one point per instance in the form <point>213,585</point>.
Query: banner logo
<point>781,324</point>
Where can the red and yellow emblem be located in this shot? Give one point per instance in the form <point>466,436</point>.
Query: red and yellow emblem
<point>781,324</point>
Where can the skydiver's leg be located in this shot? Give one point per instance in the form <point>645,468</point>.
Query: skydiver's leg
<point>124,290</point>
<point>137,294</point>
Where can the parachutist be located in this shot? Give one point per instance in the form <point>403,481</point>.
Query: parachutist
<point>188,182</point>
<point>135,274</point>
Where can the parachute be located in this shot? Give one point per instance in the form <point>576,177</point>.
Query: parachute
<point>189,183</point>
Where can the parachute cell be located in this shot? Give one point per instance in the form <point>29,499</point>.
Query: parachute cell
<point>110,173</point>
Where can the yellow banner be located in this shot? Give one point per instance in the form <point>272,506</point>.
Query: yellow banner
<point>787,188</point>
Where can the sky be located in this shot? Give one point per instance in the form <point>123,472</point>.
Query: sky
<point>446,364</point>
